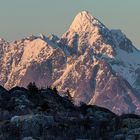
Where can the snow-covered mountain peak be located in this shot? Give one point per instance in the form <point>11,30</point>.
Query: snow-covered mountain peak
<point>88,32</point>
<point>83,16</point>
<point>2,41</point>
<point>53,38</point>
<point>98,66</point>
<point>84,21</point>
<point>3,46</point>
<point>42,36</point>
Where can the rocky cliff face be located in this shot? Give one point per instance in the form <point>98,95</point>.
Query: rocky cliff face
<point>98,66</point>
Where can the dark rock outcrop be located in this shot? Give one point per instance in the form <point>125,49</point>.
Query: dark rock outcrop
<point>42,114</point>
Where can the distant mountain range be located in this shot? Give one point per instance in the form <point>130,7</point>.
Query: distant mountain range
<point>97,65</point>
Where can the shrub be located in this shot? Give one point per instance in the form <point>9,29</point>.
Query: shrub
<point>32,88</point>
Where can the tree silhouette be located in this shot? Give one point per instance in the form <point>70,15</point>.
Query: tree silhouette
<point>55,90</point>
<point>68,96</point>
<point>32,88</point>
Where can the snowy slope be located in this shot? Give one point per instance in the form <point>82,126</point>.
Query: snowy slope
<point>99,66</point>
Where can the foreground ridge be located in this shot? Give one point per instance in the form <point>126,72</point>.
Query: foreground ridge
<point>43,114</point>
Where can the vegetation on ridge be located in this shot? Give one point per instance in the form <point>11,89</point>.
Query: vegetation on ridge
<point>40,114</point>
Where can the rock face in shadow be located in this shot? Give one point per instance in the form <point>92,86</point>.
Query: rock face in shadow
<point>42,114</point>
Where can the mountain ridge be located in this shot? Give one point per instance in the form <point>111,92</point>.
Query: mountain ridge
<point>89,59</point>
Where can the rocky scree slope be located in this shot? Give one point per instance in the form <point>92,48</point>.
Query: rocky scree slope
<point>99,66</point>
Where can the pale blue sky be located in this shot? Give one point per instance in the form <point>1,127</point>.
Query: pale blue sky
<point>20,18</point>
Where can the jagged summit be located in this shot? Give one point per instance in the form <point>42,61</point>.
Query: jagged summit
<point>2,40</point>
<point>83,16</point>
<point>87,32</point>
<point>42,36</point>
<point>53,38</point>
<point>84,21</point>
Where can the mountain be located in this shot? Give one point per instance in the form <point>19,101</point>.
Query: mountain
<point>99,66</point>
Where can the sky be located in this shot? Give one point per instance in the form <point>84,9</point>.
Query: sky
<point>21,18</point>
